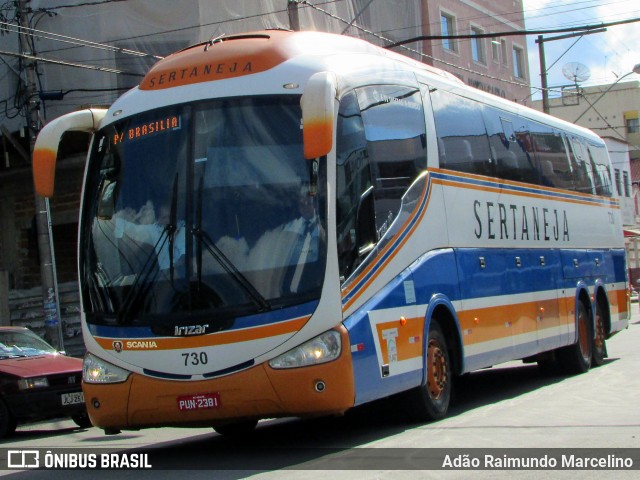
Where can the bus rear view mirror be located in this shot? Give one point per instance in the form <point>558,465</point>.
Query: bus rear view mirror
<point>45,151</point>
<point>318,108</point>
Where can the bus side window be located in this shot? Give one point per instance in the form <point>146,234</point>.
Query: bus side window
<point>395,133</point>
<point>353,181</point>
<point>600,164</point>
<point>553,161</point>
<point>583,174</point>
<point>511,146</point>
<point>462,139</point>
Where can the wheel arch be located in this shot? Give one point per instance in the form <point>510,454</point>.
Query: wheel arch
<point>441,308</point>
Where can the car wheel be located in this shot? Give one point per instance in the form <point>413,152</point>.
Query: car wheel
<point>8,422</point>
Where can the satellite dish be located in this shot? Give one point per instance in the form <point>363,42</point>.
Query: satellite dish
<point>576,72</point>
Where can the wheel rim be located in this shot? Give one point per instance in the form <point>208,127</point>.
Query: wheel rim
<point>599,340</point>
<point>583,336</point>
<point>437,370</point>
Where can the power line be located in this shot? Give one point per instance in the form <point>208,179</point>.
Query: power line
<point>25,56</point>
<point>512,33</point>
<point>76,41</point>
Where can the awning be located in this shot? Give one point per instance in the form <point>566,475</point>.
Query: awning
<point>630,232</point>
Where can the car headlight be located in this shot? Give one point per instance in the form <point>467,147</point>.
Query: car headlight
<point>321,349</point>
<point>31,383</point>
<point>96,370</point>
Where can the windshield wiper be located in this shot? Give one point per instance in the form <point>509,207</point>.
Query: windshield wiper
<point>232,270</point>
<point>172,227</point>
<point>144,279</point>
<point>222,259</point>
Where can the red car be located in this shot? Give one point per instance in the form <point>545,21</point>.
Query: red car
<point>37,382</point>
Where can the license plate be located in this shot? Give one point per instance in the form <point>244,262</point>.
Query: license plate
<point>72,398</point>
<point>200,401</point>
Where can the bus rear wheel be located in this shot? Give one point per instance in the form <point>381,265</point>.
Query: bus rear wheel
<point>599,342</point>
<point>431,400</point>
<point>576,358</point>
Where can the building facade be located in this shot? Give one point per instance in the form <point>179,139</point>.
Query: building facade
<point>496,63</point>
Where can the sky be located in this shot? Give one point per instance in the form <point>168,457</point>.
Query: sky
<point>606,56</point>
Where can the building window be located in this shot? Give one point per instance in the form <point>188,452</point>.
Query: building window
<point>477,46</point>
<point>495,49</point>
<point>633,125</point>
<point>518,62</point>
<point>503,48</point>
<point>448,27</point>
<point>627,187</point>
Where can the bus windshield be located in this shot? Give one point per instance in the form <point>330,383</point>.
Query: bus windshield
<point>201,210</point>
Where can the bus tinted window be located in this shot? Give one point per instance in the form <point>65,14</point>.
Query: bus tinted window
<point>353,179</point>
<point>602,174</point>
<point>583,171</point>
<point>396,144</point>
<point>552,156</point>
<point>511,146</point>
<point>462,138</point>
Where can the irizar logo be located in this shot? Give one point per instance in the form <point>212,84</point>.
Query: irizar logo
<point>184,331</point>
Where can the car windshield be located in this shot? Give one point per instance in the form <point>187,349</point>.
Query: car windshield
<point>22,344</point>
<point>202,210</point>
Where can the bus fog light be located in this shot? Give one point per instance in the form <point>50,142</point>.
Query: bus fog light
<point>96,370</point>
<point>324,348</point>
<point>320,386</point>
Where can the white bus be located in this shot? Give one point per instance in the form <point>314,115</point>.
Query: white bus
<point>292,224</point>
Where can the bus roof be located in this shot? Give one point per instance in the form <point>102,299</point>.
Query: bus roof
<point>250,53</point>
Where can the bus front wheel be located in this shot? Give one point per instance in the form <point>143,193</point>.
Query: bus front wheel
<point>237,429</point>
<point>431,400</point>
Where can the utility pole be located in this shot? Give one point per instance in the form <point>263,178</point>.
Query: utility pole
<point>50,301</point>
<point>543,75</point>
<point>294,19</point>
<point>543,64</point>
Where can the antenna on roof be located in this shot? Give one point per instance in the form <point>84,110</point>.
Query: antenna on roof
<point>576,72</point>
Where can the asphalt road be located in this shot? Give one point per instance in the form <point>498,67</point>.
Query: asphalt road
<point>496,411</point>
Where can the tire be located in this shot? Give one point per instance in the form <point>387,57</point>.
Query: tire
<point>238,429</point>
<point>431,400</point>
<point>8,422</point>
<point>576,358</point>
<point>599,341</point>
<point>82,420</point>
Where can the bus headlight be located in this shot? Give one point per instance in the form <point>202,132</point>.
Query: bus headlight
<point>95,370</point>
<point>324,348</point>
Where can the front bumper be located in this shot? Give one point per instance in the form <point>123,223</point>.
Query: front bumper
<point>258,392</point>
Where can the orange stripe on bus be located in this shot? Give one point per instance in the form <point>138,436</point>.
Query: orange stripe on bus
<point>221,338</point>
<point>610,200</point>
<point>454,183</point>
<point>496,322</point>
